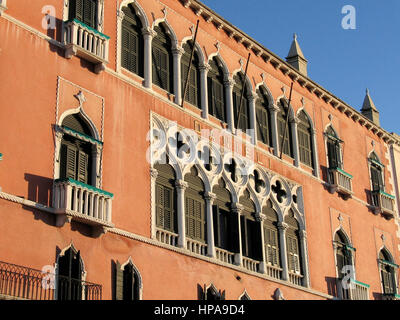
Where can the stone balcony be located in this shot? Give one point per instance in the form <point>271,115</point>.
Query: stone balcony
<point>341,182</point>
<point>356,290</point>
<point>74,200</point>
<point>85,42</point>
<point>383,203</point>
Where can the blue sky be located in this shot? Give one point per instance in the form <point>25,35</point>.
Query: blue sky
<point>345,62</point>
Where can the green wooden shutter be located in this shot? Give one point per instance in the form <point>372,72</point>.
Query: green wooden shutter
<point>119,281</point>
<point>376,177</point>
<point>195,221</point>
<point>164,208</point>
<point>83,162</point>
<point>130,44</point>
<point>89,13</point>
<point>333,154</point>
<point>161,68</point>
<point>68,161</point>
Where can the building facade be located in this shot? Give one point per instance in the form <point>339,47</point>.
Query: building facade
<point>138,163</point>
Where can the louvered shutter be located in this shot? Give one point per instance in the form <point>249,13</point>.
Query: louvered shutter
<point>293,254</point>
<point>130,44</point>
<point>119,281</point>
<point>333,155</point>
<point>271,247</point>
<point>194,219</point>
<point>216,224</point>
<point>340,262</point>
<point>83,162</point>
<point>376,177</point>
<point>89,13</point>
<point>168,210</point>
<point>159,206</point>
<point>68,161</point>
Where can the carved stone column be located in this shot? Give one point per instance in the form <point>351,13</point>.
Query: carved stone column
<point>210,197</point>
<point>229,104</point>
<point>253,121</point>
<point>177,55</point>
<point>282,227</point>
<point>315,152</point>
<point>274,129</point>
<point>120,18</point>
<point>260,218</point>
<point>237,208</point>
<point>96,165</point>
<point>203,89</point>
<point>148,35</point>
<point>180,190</point>
<point>304,260</point>
<point>153,176</point>
<point>296,155</point>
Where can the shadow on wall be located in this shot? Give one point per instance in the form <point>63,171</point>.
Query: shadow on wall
<point>39,189</point>
<point>331,286</point>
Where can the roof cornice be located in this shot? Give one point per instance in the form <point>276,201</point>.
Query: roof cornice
<point>277,62</point>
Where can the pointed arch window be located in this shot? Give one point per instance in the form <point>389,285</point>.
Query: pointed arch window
<point>132,42</point>
<point>241,114</point>
<point>388,273</point>
<point>216,92</point>
<point>263,118</point>
<point>193,88</point>
<point>75,153</point>
<point>162,61</point>
<point>127,282</point>
<point>333,147</point>
<point>271,239</point>
<point>250,229</point>
<point>166,218</point>
<point>69,284</point>
<point>344,254</point>
<point>283,125</point>
<point>84,11</point>
<point>195,207</point>
<point>305,141</point>
<point>376,171</point>
<point>226,231</point>
<point>293,244</point>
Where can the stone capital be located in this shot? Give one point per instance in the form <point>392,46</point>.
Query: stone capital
<point>237,207</point>
<point>153,173</point>
<point>273,108</point>
<point>181,185</point>
<point>120,15</point>
<point>147,31</point>
<point>209,196</point>
<point>283,226</point>
<point>229,83</point>
<point>260,217</point>
<point>205,68</point>
<point>178,51</point>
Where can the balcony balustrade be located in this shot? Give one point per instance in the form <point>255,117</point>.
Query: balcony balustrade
<point>85,42</point>
<point>84,203</point>
<point>356,290</point>
<point>383,203</point>
<point>23,283</point>
<point>341,182</point>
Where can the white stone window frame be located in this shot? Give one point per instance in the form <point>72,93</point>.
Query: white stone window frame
<point>335,247</point>
<point>83,271</point>
<point>147,34</point>
<point>326,146</point>
<point>314,145</point>
<point>3,6</point>
<point>99,17</point>
<point>395,272</point>
<point>136,270</point>
<point>382,166</point>
<point>97,147</point>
